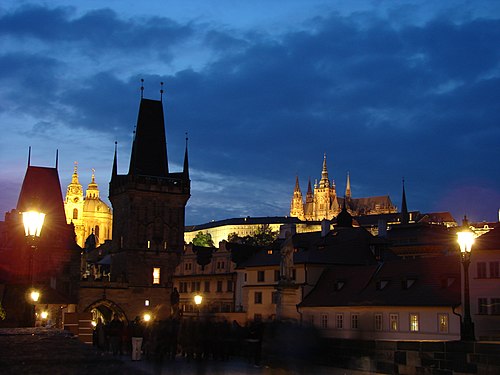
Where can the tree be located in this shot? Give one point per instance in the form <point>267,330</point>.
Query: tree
<point>263,236</point>
<point>203,239</point>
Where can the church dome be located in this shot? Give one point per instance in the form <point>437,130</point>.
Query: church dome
<point>95,205</point>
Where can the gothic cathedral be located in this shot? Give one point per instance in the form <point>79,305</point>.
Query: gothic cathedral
<point>324,203</point>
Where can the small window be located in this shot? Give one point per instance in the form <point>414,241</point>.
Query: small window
<point>294,274</point>
<point>378,322</point>
<point>258,298</point>
<point>75,213</point>
<point>219,286</point>
<point>324,321</point>
<point>276,275</point>
<point>339,321</point>
<point>481,270</point>
<point>156,275</point>
<point>188,266</point>
<point>354,321</point>
<point>495,306</point>
<point>494,270</point>
<point>394,322</point>
<point>245,277</point>
<point>96,231</point>
<point>482,306</point>
<point>381,284</point>
<point>260,276</point>
<point>207,286</point>
<point>414,323</point>
<point>229,285</point>
<point>443,323</point>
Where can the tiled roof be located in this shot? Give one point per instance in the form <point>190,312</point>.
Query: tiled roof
<point>339,246</point>
<point>488,241</point>
<point>427,281</point>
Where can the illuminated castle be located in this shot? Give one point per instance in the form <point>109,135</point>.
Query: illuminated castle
<point>324,203</point>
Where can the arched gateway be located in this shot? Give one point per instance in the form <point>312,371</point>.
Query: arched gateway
<point>105,309</point>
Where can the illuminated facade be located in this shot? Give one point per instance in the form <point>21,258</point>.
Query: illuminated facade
<point>89,214</point>
<point>324,203</point>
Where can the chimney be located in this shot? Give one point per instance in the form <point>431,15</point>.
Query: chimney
<point>325,227</point>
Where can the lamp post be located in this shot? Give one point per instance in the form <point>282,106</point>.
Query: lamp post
<point>198,299</point>
<point>33,223</point>
<point>465,239</point>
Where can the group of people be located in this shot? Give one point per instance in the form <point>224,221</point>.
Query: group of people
<point>120,338</point>
<point>190,338</point>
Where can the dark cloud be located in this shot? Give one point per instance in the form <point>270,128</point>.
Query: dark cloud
<point>384,99</point>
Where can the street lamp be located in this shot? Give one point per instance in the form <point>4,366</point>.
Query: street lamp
<point>465,239</point>
<point>33,223</point>
<point>198,299</point>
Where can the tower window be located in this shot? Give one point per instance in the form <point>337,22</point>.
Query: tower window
<point>75,213</point>
<point>156,275</point>
<point>96,231</point>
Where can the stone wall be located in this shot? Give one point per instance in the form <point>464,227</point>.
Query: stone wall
<point>414,357</point>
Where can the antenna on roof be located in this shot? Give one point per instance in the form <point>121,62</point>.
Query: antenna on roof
<point>29,156</point>
<point>57,157</point>
<point>142,88</point>
<point>161,91</point>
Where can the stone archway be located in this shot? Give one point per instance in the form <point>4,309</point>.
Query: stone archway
<point>106,309</point>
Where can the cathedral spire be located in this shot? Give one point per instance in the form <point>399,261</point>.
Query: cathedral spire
<point>309,194</point>
<point>324,182</point>
<point>404,207</point>
<point>348,187</point>
<point>114,172</point>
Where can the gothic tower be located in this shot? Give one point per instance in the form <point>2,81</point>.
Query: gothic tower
<point>148,209</point>
<point>325,203</point>
<point>297,205</point>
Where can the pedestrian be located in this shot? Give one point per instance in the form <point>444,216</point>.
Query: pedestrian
<point>115,334</point>
<point>137,333</point>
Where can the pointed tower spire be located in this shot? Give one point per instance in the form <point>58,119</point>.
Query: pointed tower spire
<point>74,177</point>
<point>297,205</point>
<point>57,158</point>
<point>92,188</point>
<point>161,91</point>
<point>29,156</point>
<point>348,187</point>
<point>324,182</point>
<point>404,207</point>
<point>186,162</point>
<point>309,194</point>
<point>114,172</point>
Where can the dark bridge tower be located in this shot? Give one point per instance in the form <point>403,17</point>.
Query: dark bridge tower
<point>148,209</point>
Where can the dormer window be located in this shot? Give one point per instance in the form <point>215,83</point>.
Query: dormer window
<point>407,283</point>
<point>381,284</point>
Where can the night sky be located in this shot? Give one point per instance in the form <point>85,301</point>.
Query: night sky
<point>387,89</point>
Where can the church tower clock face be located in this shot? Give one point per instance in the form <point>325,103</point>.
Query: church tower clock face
<point>75,200</point>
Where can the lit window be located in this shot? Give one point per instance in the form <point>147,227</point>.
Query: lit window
<point>354,321</point>
<point>339,321</point>
<point>394,321</point>
<point>378,322</point>
<point>414,323</point>
<point>443,323</point>
<point>156,275</point>
<point>146,302</point>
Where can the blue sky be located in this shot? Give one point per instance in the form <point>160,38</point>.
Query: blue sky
<point>264,88</point>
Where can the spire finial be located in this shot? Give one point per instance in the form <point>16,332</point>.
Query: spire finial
<point>75,167</point>
<point>142,88</point>
<point>93,176</point>
<point>161,91</point>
